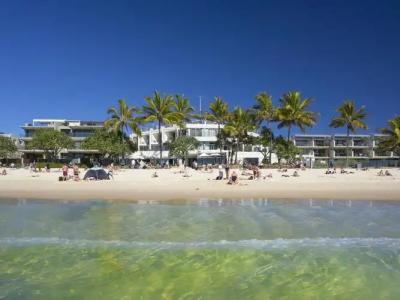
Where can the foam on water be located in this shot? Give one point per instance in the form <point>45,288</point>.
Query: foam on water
<point>222,244</point>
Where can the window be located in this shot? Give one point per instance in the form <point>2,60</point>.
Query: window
<point>340,142</point>
<point>320,143</point>
<point>213,146</point>
<point>302,143</point>
<point>360,143</point>
<point>195,132</point>
<point>340,153</point>
<point>82,133</point>
<point>382,153</point>
<point>360,153</point>
<point>320,153</point>
<point>210,132</point>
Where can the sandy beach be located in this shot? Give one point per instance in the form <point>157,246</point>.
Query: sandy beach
<point>171,185</point>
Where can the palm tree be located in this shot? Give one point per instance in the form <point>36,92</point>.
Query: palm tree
<point>182,106</point>
<point>218,114</point>
<point>391,140</point>
<point>122,119</point>
<point>351,118</point>
<point>292,112</point>
<point>159,109</point>
<point>265,111</point>
<point>238,126</point>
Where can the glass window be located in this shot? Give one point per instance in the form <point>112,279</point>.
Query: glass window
<point>303,143</point>
<point>320,143</point>
<point>340,142</point>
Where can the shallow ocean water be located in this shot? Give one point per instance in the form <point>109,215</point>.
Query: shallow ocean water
<point>252,249</point>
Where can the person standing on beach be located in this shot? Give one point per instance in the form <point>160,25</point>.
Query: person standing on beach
<point>65,172</point>
<point>227,171</point>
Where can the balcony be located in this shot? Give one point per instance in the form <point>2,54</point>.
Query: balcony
<point>321,153</point>
<point>361,143</point>
<point>360,153</point>
<point>341,143</point>
<point>379,153</point>
<point>303,143</point>
<point>321,143</point>
<point>340,153</point>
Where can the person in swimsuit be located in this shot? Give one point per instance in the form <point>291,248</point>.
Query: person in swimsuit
<point>65,172</point>
<point>227,171</point>
<point>76,173</point>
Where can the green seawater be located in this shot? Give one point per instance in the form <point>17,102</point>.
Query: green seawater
<point>251,249</point>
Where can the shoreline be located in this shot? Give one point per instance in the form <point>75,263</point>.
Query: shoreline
<point>170,186</point>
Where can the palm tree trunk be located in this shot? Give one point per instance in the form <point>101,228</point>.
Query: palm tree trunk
<point>219,141</point>
<point>160,140</point>
<point>347,147</point>
<point>237,150</point>
<point>270,143</point>
<point>288,133</point>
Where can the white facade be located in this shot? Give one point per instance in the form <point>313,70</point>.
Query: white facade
<point>205,133</point>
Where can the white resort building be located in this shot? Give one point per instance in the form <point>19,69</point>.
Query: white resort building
<point>207,152</point>
<point>320,150</point>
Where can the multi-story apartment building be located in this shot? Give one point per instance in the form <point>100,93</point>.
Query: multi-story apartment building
<point>207,152</point>
<point>76,129</point>
<point>363,149</point>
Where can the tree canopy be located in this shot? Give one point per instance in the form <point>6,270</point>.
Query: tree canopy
<point>285,149</point>
<point>292,112</point>
<point>122,118</point>
<point>109,144</point>
<point>7,147</point>
<point>391,140</point>
<point>160,109</point>
<point>51,141</point>
<point>182,145</point>
<point>351,118</point>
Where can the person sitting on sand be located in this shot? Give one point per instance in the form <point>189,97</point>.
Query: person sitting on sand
<point>328,172</point>
<point>269,175</point>
<point>381,173</point>
<point>154,175</point>
<point>343,171</point>
<point>234,179</point>
<point>4,172</point>
<point>295,174</point>
<point>387,173</point>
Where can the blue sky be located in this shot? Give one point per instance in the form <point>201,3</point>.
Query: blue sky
<point>73,59</point>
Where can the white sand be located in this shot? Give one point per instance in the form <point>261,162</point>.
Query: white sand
<point>133,185</point>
